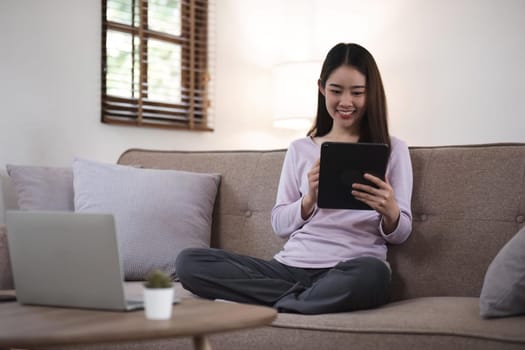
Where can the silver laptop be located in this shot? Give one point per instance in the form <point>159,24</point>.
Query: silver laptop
<point>66,259</point>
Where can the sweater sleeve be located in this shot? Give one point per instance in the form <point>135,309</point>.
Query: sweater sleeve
<point>399,174</point>
<point>286,214</point>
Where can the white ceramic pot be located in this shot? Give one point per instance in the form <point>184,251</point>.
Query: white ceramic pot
<point>158,303</point>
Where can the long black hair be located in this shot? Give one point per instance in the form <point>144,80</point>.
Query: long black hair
<point>374,125</point>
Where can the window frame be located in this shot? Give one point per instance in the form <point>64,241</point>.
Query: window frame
<point>192,112</point>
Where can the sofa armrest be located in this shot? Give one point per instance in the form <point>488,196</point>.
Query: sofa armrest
<point>6,277</point>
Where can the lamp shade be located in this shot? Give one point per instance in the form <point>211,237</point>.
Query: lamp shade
<point>295,91</point>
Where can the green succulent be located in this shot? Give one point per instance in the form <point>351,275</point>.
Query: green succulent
<point>158,279</point>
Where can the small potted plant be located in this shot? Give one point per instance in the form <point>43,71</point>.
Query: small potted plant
<point>158,296</point>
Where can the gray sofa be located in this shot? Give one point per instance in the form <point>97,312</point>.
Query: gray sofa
<point>468,201</point>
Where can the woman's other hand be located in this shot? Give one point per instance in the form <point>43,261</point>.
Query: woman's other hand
<point>380,199</point>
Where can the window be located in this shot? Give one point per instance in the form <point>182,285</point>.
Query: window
<point>155,63</point>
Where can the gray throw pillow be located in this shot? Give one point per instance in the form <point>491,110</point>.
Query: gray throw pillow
<point>42,188</point>
<point>503,291</point>
<point>157,212</point>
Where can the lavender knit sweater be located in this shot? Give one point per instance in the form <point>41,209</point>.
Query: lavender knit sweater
<point>329,236</point>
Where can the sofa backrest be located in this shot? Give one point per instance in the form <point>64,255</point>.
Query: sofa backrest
<point>249,179</point>
<point>468,201</point>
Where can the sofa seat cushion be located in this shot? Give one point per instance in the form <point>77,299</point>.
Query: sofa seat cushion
<point>446,316</point>
<point>456,316</point>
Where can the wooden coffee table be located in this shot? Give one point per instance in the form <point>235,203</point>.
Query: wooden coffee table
<point>32,326</point>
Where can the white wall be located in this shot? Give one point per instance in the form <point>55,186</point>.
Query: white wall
<point>453,71</point>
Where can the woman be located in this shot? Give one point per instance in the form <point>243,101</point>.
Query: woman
<point>333,260</point>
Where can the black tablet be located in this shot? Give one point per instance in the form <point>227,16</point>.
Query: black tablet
<point>343,164</point>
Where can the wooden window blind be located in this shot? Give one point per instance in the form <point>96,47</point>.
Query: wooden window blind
<point>155,63</point>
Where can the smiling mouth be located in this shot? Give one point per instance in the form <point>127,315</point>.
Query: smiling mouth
<point>346,113</point>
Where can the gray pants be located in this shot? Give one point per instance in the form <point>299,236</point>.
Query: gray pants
<point>360,283</point>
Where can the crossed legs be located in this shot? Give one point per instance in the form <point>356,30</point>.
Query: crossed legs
<point>360,283</point>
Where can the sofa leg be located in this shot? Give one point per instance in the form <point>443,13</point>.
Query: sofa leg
<point>200,342</point>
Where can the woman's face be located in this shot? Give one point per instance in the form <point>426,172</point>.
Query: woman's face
<point>345,98</point>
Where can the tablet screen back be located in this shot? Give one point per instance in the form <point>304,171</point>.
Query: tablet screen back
<point>342,164</point>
